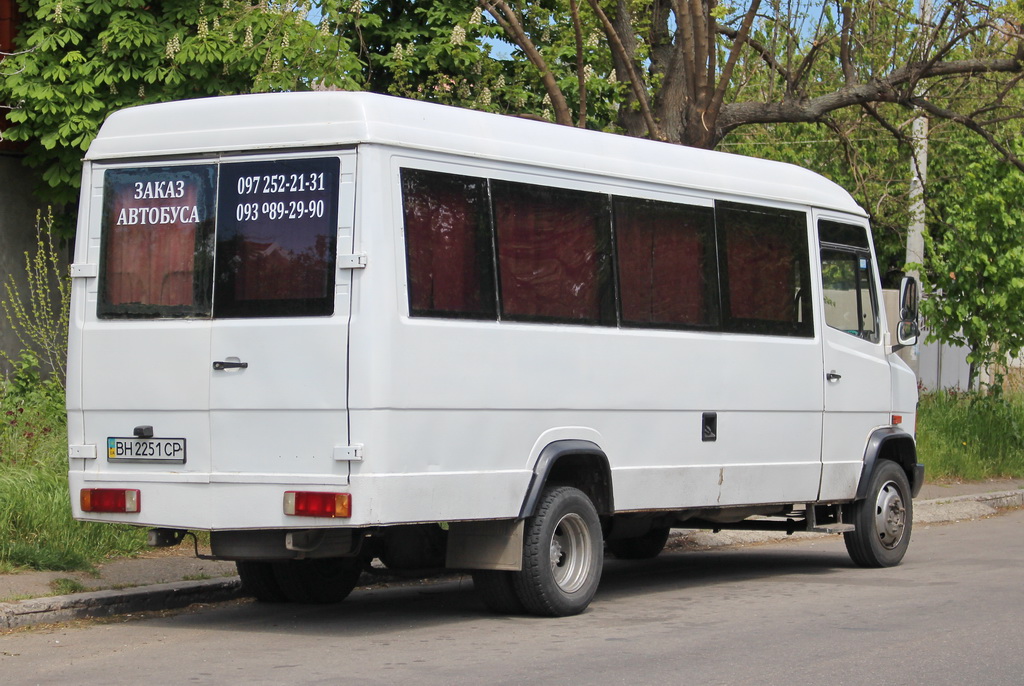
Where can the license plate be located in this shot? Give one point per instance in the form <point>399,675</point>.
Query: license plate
<point>146,450</point>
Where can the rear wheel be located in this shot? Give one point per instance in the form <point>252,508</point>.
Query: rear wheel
<point>640,547</point>
<point>497,590</point>
<point>562,555</point>
<point>259,581</point>
<point>327,580</point>
<point>883,520</point>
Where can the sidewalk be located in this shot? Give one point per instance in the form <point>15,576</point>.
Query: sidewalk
<point>171,578</point>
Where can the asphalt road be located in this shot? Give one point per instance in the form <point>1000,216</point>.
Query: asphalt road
<point>792,613</point>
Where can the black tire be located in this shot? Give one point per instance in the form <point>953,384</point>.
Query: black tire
<point>497,590</point>
<point>640,547</point>
<point>327,580</point>
<point>563,555</point>
<point>883,520</point>
<point>259,581</point>
<point>419,547</point>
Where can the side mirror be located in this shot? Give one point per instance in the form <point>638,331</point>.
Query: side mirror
<point>907,330</point>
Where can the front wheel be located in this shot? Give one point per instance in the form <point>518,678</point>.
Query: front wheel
<point>883,520</point>
<point>562,555</point>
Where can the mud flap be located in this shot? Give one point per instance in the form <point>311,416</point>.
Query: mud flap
<point>494,545</point>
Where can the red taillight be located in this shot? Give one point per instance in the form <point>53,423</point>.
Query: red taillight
<point>110,500</point>
<point>314,504</point>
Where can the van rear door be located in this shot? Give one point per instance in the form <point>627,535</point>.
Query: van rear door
<point>146,321</point>
<point>217,349</point>
<point>278,388</point>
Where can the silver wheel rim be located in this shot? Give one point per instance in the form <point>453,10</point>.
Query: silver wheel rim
<point>570,553</point>
<point>890,515</point>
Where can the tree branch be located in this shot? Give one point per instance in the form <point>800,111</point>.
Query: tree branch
<point>580,75</point>
<point>715,105</point>
<point>762,50</point>
<point>883,89</point>
<point>972,125</point>
<point>884,123</point>
<point>634,80</point>
<point>845,53</point>
<point>513,27</point>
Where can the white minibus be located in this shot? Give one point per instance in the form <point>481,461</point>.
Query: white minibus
<point>330,327</point>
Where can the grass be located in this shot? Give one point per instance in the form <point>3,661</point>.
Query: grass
<point>36,527</point>
<point>65,586</point>
<point>966,436</point>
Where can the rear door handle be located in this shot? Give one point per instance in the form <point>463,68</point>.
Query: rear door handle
<point>832,376</point>
<point>221,365</point>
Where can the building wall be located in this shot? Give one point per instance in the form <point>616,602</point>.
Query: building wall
<point>17,206</point>
<point>938,366</point>
<point>17,234</point>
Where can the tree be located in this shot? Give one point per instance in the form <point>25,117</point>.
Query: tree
<point>695,70</point>
<point>79,60</point>
<point>975,265</point>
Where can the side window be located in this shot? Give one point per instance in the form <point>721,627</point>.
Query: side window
<point>449,250</point>
<point>765,267</point>
<point>851,304</point>
<point>157,253</point>
<point>277,225</point>
<point>667,266</point>
<point>554,254</point>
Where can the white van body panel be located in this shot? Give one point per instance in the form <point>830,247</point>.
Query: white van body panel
<point>439,420</point>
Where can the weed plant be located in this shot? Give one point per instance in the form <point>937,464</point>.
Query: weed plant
<point>971,436</point>
<point>36,527</point>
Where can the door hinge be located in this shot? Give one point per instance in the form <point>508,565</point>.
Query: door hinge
<point>348,453</point>
<point>84,271</point>
<point>356,261</point>
<point>82,452</point>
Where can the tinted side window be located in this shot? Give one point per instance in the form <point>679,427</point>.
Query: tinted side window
<point>843,234</point>
<point>849,298</point>
<point>851,304</point>
<point>157,253</point>
<point>449,250</point>
<point>277,224</point>
<point>554,254</point>
<point>666,261</point>
<point>765,270</point>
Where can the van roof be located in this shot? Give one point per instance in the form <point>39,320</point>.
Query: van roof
<point>268,121</point>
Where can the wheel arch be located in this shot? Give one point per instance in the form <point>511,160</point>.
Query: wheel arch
<point>896,445</point>
<point>571,462</point>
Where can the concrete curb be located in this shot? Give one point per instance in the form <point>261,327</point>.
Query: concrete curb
<point>115,602</point>
<point>184,593</point>
<point>996,500</point>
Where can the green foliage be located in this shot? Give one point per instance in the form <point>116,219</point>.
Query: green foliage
<point>84,59</point>
<point>38,315</point>
<point>971,436</point>
<point>451,52</point>
<point>36,528</point>
<point>975,265</point>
